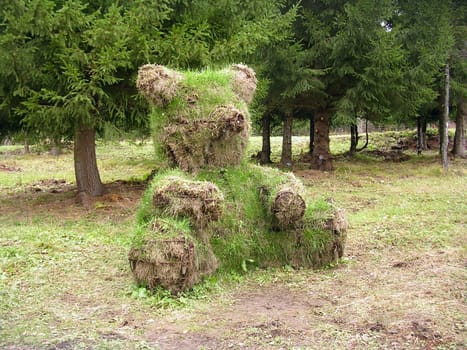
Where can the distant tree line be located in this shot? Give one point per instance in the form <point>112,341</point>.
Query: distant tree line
<point>68,67</point>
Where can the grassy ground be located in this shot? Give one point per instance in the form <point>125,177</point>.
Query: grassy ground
<point>65,281</point>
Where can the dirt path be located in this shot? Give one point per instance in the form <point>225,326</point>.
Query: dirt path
<point>401,304</point>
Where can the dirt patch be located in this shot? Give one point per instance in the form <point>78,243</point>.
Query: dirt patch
<point>254,317</point>
<point>57,197</point>
<point>51,186</point>
<point>310,174</point>
<point>391,156</point>
<point>7,168</point>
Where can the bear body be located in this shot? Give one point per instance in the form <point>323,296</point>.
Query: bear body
<point>207,207</point>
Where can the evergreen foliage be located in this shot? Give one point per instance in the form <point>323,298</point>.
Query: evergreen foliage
<point>69,66</point>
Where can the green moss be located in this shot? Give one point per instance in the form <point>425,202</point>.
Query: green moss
<point>244,232</point>
<point>199,93</point>
<point>158,120</point>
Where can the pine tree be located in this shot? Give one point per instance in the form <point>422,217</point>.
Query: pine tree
<point>69,66</point>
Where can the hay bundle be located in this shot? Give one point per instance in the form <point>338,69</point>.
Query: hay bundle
<point>171,260</point>
<point>217,141</point>
<point>200,201</point>
<point>244,83</point>
<point>288,208</point>
<point>158,84</point>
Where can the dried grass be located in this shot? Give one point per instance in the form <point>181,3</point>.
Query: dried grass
<point>170,260</point>
<point>157,83</point>
<point>166,263</point>
<point>288,208</point>
<point>244,83</point>
<point>219,140</point>
<point>338,224</point>
<point>199,201</point>
<point>330,252</point>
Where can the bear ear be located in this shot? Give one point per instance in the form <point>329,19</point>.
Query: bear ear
<point>157,83</point>
<point>244,83</point>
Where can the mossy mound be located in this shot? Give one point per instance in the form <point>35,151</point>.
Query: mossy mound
<point>215,210</point>
<point>167,255</point>
<point>250,229</point>
<point>244,83</point>
<point>247,229</point>
<point>204,121</point>
<point>216,141</point>
<point>201,202</point>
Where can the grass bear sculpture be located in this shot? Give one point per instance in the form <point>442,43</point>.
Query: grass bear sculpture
<point>208,208</point>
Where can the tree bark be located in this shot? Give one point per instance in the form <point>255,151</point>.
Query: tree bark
<point>321,158</point>
<point>444,139</point>
<point>458,149</point>
<point>87,176</point>
<point>353,138</point>
<point>423,134</point>
<point>26,149</point>
<point>419,135</point>
<point>55,149</point>
<point>266,146</point>
<point>312,133</point>
<point>367,139</point>
<point>286,156</point>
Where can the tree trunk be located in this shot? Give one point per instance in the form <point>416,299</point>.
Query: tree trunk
<point>87,176</point>
<point>459,137</point>
<point>367,139</point>
<point>321,158</point>
<point>26,149</point>
<point>286,156</point>
<point>266,147</point>
<point>312,133</point>
<point>55,149</point>
<point>444,139</point>
<point>419,135</point>
<point>423,134</point>
<point>353,138</point>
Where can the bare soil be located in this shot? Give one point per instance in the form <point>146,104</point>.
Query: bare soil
<point>6,168</point>
<point>59,197</point>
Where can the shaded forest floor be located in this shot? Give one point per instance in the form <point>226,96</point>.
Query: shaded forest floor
<point>65,281</point>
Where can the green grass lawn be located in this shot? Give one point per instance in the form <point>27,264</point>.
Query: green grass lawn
<point>65,280</point>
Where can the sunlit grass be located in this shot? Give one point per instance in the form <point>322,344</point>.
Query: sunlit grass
<point>115,160</point>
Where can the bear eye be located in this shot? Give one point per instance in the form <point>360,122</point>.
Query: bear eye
<point>239,118</point>
<point>191,100</point>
